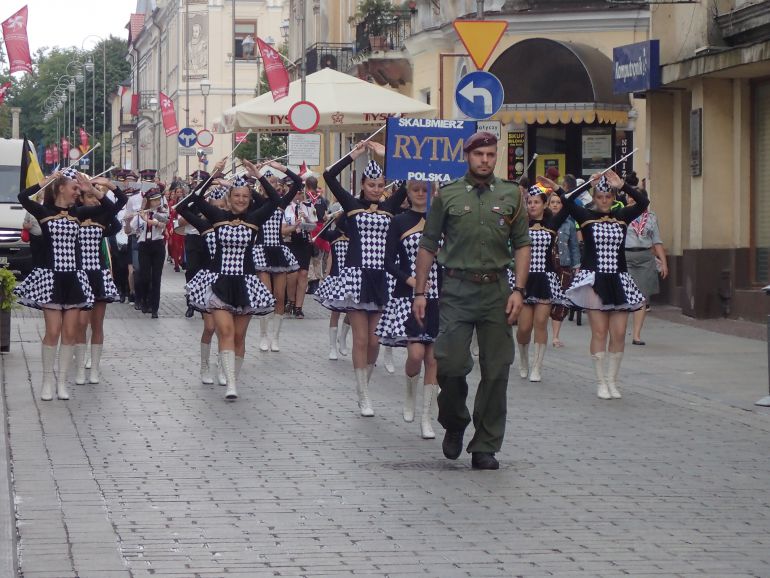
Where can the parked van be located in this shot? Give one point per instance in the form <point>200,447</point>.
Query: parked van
<point>14,253</point>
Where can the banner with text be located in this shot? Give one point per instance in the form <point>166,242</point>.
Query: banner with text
<point>16,43</point>
<point>424,149</point>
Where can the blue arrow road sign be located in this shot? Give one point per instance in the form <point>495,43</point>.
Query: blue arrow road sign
<point>479,94</point>
<point>187,137</point>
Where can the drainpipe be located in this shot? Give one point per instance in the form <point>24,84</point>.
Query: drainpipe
<point>480,9</point>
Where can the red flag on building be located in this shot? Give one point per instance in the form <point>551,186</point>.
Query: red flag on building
<point>277,76</point>
<point>168,114</point>
<point>65,148</point>
<point>84,144</point>
<point>16,43</point>
<point>134,105</point>
<point>49,155</point>
<point>4,91</point>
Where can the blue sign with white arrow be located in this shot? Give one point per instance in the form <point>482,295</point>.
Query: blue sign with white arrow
<point>187,137</point>
<point>479,94</point>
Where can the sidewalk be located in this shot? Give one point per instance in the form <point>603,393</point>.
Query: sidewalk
<point>151,473</point>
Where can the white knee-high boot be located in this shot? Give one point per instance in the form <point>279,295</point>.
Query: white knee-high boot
<point>342,342</point>
<point>221,376</point>
<point>602,390</point>
<point>429,393</point>
<point>388,355</point>
<point>88,349</point>
<point>274,342</point>
<point>48,356</point>
<point>227,359</point>
<point>96,360</point>
<point>65,360</point>
<point>537,366</point>
<point>333,343</point>
<point>362,390</point>
<point>523,360</point>
<point>80,363</point>
<point>264,332</point>
<point>613,368</point>
<point>369,371</point>
<point>410,397</point>
<point>205,366</point>
<point>238,365</point>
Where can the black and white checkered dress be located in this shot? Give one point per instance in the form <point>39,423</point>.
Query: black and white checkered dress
<point>231,283</point>
<point>543,285</point>
<point>62,283</point>
<point>603,282</point>
<point>364,285</point>
<point>331,289</point>
<point>397,326</point>
<point>93,263</point>
<point>270,252</point>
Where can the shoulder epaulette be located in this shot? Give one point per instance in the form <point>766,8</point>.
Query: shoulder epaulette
<point>442,185</point>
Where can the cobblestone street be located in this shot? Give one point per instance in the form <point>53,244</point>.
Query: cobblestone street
<point>150,473</point>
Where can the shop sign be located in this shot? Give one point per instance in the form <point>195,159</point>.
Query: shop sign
<point>596,149</point>
<point>517,154</point>
<point>624,144</point>
<point>636,67</point>
<point>426,149</point>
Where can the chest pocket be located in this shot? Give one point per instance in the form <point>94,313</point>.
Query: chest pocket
<point>458,211</point>
<point>503,215</point>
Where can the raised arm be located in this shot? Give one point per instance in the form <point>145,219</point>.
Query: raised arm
<point>260,215</point>
<point>272,195</point>
<point>393,203</point>
<point>191,217</point>
<point>348,201</point>
<point>557,220</point>
<point>628,214</point>
<point>113,228</point>
<point>33,208</point>
<point>296,186</point>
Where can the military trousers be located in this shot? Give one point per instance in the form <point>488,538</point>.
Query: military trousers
<point>463,306</point>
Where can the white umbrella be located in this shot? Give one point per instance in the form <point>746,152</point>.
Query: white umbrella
<point>343,102</point>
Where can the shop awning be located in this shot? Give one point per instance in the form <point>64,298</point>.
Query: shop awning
<point>548,81</point>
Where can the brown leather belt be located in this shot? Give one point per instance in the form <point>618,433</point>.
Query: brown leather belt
<point>474,276</point>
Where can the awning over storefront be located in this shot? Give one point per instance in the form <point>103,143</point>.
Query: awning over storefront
<point>548,81</point>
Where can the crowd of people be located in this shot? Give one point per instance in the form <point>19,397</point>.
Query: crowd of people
<point>406,265</point>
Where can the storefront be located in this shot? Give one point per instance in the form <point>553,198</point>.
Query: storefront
<point>563,108</point>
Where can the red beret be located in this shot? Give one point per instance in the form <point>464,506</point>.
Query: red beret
<point>479,139</point>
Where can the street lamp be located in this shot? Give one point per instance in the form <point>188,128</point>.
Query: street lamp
<point>104,92</point>
<point>153,104</point>
<point>205,90</point>
<point>285,31</point>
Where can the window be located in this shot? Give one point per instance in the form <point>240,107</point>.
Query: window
<point>245,39</point>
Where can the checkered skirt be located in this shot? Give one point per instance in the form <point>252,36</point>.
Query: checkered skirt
<point>544,288</point>
<point>103,285</point>
<point>398,327</point>
<point>45,288</point>
<point>358,290</point>
<point>239,294</point>
<point>274,259</point>
<point>604,291</point>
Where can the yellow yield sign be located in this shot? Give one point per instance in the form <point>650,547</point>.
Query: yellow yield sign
<point>480,37</point>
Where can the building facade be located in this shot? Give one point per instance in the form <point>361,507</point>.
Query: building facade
<point>202,55</point>
<point>709,126</point>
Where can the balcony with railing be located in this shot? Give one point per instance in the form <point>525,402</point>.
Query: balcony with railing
<point>379,52</point>
<point>338,56</point>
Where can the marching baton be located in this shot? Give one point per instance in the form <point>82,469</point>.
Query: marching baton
<point>232,152</point>
<point>588,182</point>
<point>367,139</point>
<point>332,217</point>
<point>73,163</point>
<point>103,172</point>
<point>526,171</point>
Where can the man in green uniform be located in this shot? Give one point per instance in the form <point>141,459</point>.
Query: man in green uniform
<point>479,218</point>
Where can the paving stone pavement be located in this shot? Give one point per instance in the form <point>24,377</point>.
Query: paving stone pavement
<point>151,473</point>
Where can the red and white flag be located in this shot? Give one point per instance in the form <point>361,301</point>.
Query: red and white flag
<point>4,91</point>
<point>16,43</point>
<point>277,75</point>
<point>168,114</point>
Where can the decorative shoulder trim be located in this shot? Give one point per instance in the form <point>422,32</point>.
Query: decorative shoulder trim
<point>416,229</point>
<point>91,223</point>
<point>59,216</point>
<point>235,223</point>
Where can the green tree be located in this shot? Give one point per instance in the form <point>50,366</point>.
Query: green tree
<point>50,69</point>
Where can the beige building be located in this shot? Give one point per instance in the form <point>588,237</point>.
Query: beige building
<point>187,49</point>
<point>709,126</point>
<point>554,61</point>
